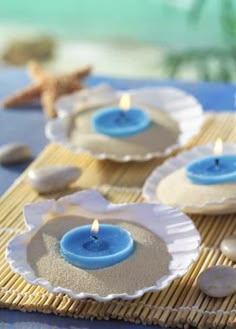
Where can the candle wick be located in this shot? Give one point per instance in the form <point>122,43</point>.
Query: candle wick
<point>121,118</point>
<point>217,162</point>
<point>94,237</point>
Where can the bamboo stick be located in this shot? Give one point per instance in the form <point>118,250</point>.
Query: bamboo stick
<point>207,303</point>
<point>192,297</point>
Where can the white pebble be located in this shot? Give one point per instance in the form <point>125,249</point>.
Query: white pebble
<point>52,178</point>
<point>228,247</point>
<point>14,153</point>
<point>218,281</point>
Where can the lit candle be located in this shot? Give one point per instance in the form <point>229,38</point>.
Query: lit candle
<point>96,246</point>
<point>218,150</point>
<point>122,120</point>
<point>215,169</point>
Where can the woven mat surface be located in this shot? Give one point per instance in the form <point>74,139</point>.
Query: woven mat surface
<point>181,304</point>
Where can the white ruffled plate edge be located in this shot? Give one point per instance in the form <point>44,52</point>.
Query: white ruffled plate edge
<point>181,106</point>
<point>177,162</point>
<point>174,227</point>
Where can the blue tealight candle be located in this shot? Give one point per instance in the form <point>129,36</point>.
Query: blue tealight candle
<point>121,121</point>
<point>94,248</point>
<point>213,169</point>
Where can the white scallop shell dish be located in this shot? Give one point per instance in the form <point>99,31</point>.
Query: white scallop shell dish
<point>225,204</point>
<point>180,106</point>
<point>176,229</point>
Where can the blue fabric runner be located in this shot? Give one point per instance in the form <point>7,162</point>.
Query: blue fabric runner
<point>27,125</point>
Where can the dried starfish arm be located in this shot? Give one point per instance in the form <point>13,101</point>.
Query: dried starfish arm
<point>48,98</point>
<point>23,96</point>
<point>36,72</point>
<point>48,86</point>
<point>69,86</point>
<point>81,73</point>
<point>76,86</point>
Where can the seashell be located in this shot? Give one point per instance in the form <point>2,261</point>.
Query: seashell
<point>90,204</point>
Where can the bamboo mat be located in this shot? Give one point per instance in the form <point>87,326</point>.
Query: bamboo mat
<point>180,305</point>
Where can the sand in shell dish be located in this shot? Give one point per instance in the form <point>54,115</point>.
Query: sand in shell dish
<point>169,129</point>
<point>186,195</point>
<point>160,254</point>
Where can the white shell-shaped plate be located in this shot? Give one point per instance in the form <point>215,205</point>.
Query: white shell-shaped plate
<point>174,227</point>
<point>180,106</point>
<point>179,161</point>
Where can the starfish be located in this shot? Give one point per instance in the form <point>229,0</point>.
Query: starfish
<point>48,87</point>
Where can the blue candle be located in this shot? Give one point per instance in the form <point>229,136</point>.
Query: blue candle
<point>93,250</point>
<point>214,169</point>
<point>122,120</point>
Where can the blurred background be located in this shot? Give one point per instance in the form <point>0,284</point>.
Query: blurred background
<point>180,39</point>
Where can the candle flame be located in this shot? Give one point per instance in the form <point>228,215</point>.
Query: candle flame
<point>218,149</point>
<point>95,226</point>
<point>125,102</point>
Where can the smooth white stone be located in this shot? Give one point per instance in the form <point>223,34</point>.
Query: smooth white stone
<point>14,153</point>
<point>218,281</point>
<point>52,178</point>
<point>228,247</point>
